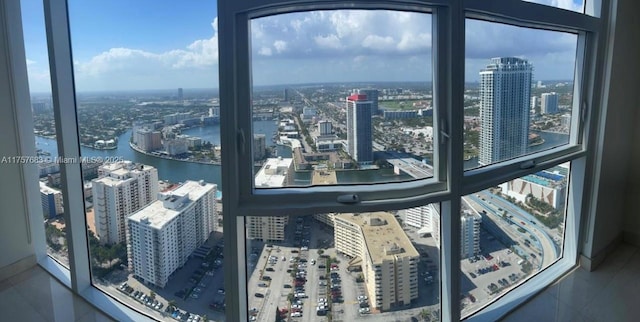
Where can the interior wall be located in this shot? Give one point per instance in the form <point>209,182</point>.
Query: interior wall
<point>612,214</point>
<point>15,245</point>
<point>631,219</point>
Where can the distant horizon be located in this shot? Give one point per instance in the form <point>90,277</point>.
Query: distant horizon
<point>275,86</point>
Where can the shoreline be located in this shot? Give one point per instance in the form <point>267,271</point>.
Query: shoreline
<point>135,148</point>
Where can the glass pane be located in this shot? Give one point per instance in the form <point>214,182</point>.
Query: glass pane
<point>510,232</point>
<point>367,119</point>
<point>148,122</point>
<point>573,5</point>
<point>518,92</point>
<point>345,267</point>
<point>45,130</point>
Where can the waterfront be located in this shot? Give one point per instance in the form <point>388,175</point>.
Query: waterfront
<point>179,171</point>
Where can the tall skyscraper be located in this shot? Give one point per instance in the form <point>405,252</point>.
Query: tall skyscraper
<point>469,230</point>
<point>180,94</point>
<point>121,189</point>
<point>286,95</point>
<point>359,134</point>
<point>372,95</point>
<point>549,103</point>
<point>505,98</point>
<point>162,235</point>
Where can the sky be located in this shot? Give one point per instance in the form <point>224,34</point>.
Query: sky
<point>148,44</point>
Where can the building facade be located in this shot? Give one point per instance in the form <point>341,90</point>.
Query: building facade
<point>325,128</point>
<point>162,235</point>
<point>469,234</point>
<point>147,140</point>
<point>469,230</point>
<point>549,103</point>
<point>372,95</point>
<point>121,189</point>
<point>276,172</point>
<point>259,146</point>
<point>359,133</point>
<point>420,218</point>
<point>51,199</point>
<point>549,186</point>
<point>388,259</point>
<point>505,99</point>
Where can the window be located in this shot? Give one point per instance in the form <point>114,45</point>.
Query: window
<point>157,246</point>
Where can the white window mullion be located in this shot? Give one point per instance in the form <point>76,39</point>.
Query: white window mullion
<point>63,94</point>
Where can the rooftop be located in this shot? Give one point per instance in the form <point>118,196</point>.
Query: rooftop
<point>158,215</point>
<point>273,173</point>
<point>383,235</point>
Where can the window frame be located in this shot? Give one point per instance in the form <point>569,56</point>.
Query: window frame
<point>448,22</point>
<point>237,71</point>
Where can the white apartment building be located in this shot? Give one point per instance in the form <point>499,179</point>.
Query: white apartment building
<point>121,189</point>
<point>469,231</point>
<point>505,99</point>
<point>276,172</point>
<point>419,217</point>
<point>51,201</point>
<point>469,234</point>
<point>389,261</point>
<point>162,235</point>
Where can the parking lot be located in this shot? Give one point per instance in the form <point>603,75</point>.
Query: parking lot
<point>192,289</point>
<point>488,275</point>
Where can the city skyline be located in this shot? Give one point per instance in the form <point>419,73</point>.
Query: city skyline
<point>376,46</point>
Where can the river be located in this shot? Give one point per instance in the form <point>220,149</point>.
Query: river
<point>178,171</point>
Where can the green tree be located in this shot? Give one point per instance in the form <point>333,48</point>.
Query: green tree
<point>425,314</point>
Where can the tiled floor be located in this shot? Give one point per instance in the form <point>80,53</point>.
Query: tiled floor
<point>35,296</point>
<point>611,294</point>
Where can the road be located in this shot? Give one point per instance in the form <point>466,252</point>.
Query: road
<point>520,219</point>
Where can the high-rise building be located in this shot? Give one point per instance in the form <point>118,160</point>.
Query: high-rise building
<point>535,106</point>
<point>276,172</point>
<point>469,230</point>
<point>505,98</point>
<point>377,243</point>
<point>180,94</point>
<point>419,217</point>
<point>147,140</point>
<point>51,201</point>
<point>325,127</point>
<point>286,95</point>
<point>372,95</point>
<point>549,103</point>
<point>121,189</point>
<point>469,234</point>
<point>359,134</point>
<point>259,146</point>
<point>162,235</point>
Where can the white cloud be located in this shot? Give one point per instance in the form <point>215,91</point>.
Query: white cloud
<point>30,62</point>
<point>330,41</point>
<point>121,68</point>
<point>280,45</point>
<point>377,42</point>
<point>265,51</point>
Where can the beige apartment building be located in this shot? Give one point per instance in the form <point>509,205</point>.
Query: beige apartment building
<point>389,261</point>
